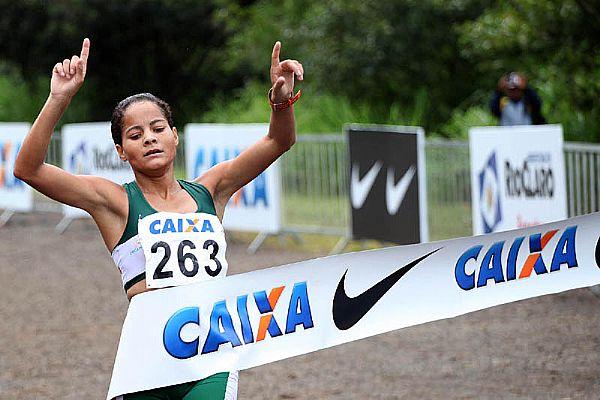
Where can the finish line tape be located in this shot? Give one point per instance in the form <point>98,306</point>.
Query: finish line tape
<point>187,333</point>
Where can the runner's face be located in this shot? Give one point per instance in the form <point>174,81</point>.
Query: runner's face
<point>149,143</point>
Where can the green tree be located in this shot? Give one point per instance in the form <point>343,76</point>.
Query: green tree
<point>170,48</point>
<point>430,62</point>
<point>556,43</point>
<point>380,53</point>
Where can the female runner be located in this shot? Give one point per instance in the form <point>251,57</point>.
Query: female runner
<point>144,135</point>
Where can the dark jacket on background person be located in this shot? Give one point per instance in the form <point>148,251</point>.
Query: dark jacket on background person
<point>532,101</point>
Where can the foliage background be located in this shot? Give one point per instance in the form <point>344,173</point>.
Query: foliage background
<point>432,63</point>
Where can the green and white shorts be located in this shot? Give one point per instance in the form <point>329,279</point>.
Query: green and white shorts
<point>221,386</point>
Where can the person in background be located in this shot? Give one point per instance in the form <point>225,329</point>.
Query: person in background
<point>516,103</point>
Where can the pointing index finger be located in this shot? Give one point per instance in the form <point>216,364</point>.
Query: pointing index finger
<point>275,54</point>
<point>85,50</point>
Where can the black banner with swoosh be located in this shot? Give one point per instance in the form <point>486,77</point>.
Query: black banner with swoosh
<point>384,183</point>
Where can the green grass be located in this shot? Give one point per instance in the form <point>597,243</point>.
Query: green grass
<point>324,211</point>
<point>446,220</point>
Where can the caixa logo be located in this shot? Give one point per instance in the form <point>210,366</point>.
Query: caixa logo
<point>222,329</point>
<point>493,267</point>
<point>8,154</point>
<point>180,225</point>
<point>253,194</point>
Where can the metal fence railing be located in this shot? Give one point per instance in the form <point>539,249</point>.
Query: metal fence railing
<point>582,161</point>
<point>448,171</point>
<point>315,184</point>
<point>316,180</point>
<point>448,188</point>
<point>53,156</point>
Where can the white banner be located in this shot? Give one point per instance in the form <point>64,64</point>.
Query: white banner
<point>255,207</point>
<point>88,149</point>
<point>517,177</point>
<point>186,333</point>
<point>15,195</point>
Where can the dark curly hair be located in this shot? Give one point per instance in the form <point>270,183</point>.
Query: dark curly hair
<point>116,122</point>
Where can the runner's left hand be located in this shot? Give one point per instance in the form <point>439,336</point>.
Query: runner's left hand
<point>282,75</point>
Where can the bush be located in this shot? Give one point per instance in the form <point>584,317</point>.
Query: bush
<point>460,121</point>
<point>316,112</point>
<point>19,101</point>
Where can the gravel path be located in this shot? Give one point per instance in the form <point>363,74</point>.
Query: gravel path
<point>62,307</point>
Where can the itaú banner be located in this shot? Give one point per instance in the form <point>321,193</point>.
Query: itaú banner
<point>186,333</point>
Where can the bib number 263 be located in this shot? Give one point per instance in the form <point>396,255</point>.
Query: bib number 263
<point>186,258</point>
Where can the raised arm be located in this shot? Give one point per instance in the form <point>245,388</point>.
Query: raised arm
<point>86,192</point>
<point>224,179</point>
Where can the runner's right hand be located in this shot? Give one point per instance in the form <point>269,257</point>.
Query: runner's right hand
<point>68,76</point>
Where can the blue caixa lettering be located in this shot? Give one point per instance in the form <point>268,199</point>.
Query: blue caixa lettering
<point>208,158</point>
<point>222,329</point>
<point>492,267</point>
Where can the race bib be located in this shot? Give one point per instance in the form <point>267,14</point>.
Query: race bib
<point>182,248</point>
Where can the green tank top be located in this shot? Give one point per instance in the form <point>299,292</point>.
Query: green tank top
<point>139,206</point>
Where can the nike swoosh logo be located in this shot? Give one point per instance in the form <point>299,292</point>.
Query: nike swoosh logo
<point>394,193</point>
<point>347,311</point>
<point>360,188</point>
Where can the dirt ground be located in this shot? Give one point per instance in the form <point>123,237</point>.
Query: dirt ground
<point>62,306</point>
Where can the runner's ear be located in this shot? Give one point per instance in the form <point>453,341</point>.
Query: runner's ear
<point>120,152</point>
<point>176,134</point>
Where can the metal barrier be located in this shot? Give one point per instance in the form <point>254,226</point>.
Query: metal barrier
<point>315,184</point>
<point>315,187</point>
<point>54,154</point>
<point>448,188</point>
<point>582,161</point>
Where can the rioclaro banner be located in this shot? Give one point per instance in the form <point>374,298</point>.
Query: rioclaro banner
<point>517,177</point>
<point>189,332</point>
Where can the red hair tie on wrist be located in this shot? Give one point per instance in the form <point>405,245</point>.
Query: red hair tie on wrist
<point>285,104</point>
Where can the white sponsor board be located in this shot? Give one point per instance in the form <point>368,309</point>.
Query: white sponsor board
<point>189,332</point>
<point>15,195</point>
<point>517,177</point>
<point>88,149</point>
<point>256,207</point>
